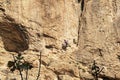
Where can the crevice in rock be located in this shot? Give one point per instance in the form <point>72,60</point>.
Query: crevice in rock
<point>48,36</point>
<point>1,9</point>
<point>38,34</point>
<point>8,18</point>
<point>57,74</point>
<point>78,1</point>
<point>34,22</point>
<point>49,46</point>
<point>78,32</point>
<point>80,19</point>
<point>108,78</point>
<point>58,77</point>
<point>82,5</point>
<point>81,30</point>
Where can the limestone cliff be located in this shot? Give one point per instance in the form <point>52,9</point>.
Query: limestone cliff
<point>71,34</point>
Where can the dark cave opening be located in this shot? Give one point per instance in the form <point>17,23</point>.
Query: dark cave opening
<point>14,36</point>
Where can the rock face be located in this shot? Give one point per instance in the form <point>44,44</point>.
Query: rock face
<point>71,34</point>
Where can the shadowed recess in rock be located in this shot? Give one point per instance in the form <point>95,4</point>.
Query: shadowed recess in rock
<point>103,77</point>
<point>14,36</point>
<point>78,1</point>
<point>82,5</point>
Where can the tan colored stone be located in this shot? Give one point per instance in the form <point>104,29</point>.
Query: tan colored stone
<point>67,77</point>
<point>90,27</point>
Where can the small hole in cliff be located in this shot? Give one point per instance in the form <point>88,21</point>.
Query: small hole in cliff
<point>2,9</point>
<point>49,46</point>
<point>14,36</point>
<point>118,42</point>
<point>38,34</point>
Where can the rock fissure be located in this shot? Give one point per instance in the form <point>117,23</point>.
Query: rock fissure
<point>78,37</point>
<point>48,36</point>
<point>82,5</point>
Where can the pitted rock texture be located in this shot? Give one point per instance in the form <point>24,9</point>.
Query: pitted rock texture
<point>71,34</point>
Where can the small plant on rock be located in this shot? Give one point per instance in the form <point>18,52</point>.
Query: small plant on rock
<point>96,70</point>
<point>19,64</point>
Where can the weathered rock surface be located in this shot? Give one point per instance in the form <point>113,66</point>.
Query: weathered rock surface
<point>71,34</point>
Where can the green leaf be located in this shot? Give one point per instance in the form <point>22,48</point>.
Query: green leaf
<point>19,58</point>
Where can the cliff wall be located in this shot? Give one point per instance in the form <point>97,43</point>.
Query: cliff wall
<point>71,34</point>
